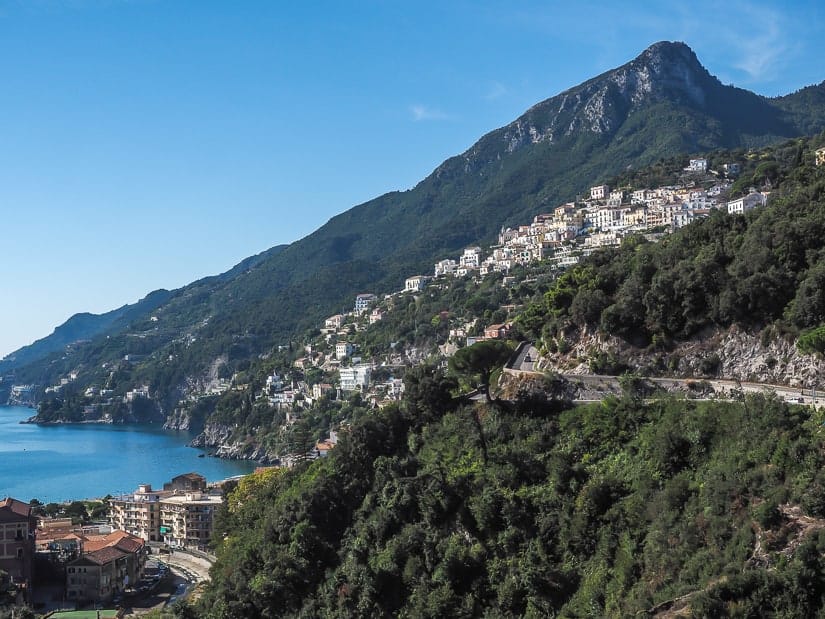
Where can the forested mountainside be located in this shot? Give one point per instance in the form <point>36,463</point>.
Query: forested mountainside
<point>82,327</point>
<point>660,104</point>
<point>444,508</point>
<point>567,313</point>
<point>641,505</point>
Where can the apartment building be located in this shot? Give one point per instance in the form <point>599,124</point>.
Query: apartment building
<point>108,564</point>
<point>140,513</point>
<point>187,520</point>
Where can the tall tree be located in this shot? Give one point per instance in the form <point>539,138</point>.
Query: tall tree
<point>479,361</point>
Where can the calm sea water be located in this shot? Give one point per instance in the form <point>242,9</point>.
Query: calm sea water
<point>57,463</point>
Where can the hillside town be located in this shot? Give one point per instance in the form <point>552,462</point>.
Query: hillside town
<point>558,238</point>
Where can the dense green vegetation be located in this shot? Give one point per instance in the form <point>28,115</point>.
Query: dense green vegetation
<point>764,268</point>
<point>608,509</point>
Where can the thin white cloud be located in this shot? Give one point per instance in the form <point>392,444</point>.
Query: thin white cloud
<point>761,46</point>
<point>423,112</point>
<point>496,91</point>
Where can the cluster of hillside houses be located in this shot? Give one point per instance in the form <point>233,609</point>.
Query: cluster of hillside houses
<point>562,236</point>
<point>576,229</point>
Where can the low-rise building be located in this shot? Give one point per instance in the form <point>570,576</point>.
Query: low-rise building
<point>344,349</point>
<point>321,389</point>
<point>363,302</point>
<point>445,267</point>
<point>746,203</point>
<point>188,482</point>
<point>416,283</point>
<point>599,192</point>
<point>377,315</point>
<point>819,154</point>
<point>471,258</point>
<point>698,165</point>
<point>107,565</point>
<point>355,378</point>
<point>497,331</point>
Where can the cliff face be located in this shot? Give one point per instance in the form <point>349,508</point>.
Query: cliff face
<point>730,354</point>
<point>220,437</point>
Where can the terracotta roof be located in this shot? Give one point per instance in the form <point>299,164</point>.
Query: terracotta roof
<point>130,545</point>
<point>12,510</point>
<point>74,536</point>
<point>104,555</point>
<point>116,539</point>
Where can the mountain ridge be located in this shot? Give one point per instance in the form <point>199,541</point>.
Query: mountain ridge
<point>661,103</point>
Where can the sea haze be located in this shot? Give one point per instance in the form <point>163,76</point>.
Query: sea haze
<point>62,462</point>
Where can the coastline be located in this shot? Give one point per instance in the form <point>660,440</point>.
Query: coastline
<point>33,420</point>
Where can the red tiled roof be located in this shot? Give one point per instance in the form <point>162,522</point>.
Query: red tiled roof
<point>129,544</point>
<point>116,539</point>
<point>104,555</point>
<point>12,510</point>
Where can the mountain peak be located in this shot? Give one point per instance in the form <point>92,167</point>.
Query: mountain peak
<point>665,71</point>
<point>670,50</point>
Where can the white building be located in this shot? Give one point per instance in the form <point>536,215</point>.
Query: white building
<point>599,192</point>
<point>140,392</point>
<point>698,165</point>
<point>344,349</point>
<point>445,267</point>
<point>376,315</point>
<point>746,203</point>
<point>416,283</point>
<point>355,378</point>
<point>334,322</point>
<point>471,258</point>
<point>282,397</point>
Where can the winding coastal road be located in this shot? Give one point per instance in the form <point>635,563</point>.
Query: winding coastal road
<point>526,356</point>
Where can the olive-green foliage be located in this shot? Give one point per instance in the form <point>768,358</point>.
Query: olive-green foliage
<point>812,341</point>
<point>477,362</point>
<point>601,510</point>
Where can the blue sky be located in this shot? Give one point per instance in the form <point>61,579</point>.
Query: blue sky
<point>147,143</point>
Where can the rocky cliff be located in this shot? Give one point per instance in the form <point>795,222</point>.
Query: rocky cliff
<point>221,438</point>
<point>732,354</point>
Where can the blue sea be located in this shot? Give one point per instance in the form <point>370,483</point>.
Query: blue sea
<point>62,462</point>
